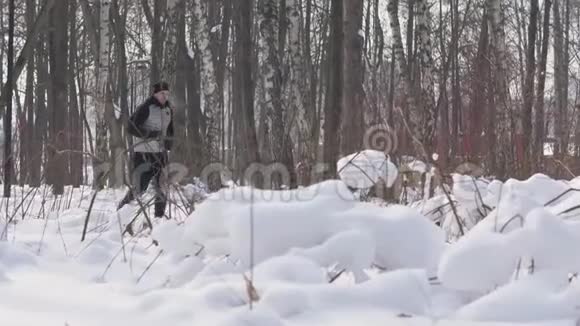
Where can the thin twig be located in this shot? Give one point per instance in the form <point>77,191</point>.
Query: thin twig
<point>336,276</point>
<point>149,266</point>
<point>551,201</point>
<point>96,191</point>
<point>122,240</point>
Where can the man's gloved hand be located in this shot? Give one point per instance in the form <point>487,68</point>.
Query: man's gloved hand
<point>154,134</point>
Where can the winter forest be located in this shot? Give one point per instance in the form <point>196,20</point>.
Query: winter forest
<point>290,162</point>
<point>296,82</point>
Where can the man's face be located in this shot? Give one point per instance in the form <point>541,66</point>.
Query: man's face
<point>162,96</point>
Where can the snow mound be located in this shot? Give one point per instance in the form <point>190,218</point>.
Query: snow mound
<point>481,261</point>
<point>230,224</point>
<point>404,238</point>
<point>217,268</point>
<point>12,256</point>
<point>292,269</point>
<point>281,219</point>
<point>553,241</point>
<point>186,271</point>
<point>402,291</point>
<point>258,317</point>
<point>168,236</point>
<point>527,300</point>
<point>3,277</point>
<point>493,205</point>
<point>484,259</point>
<point>353,250</point>
<point>365,168</point>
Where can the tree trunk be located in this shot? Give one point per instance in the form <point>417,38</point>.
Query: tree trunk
<point>455,87</point>
<point>272,80</point>
<point>100,166</point>
<point>174,8</point>
<point>499,101</point>
<point>539,108</point>
<point>180,100</point>
<point>526,128</point>
<point>353,97</point>
<point>75,122</point>
<point>221,66</point>
<point>58,55</point>
<point>298,117</point>
<point>40,23</point>
<point>428,109</point>
<point>560,84</point>
<point>195,123</point>
<point>243,87</point>
<point>411,116</point>
<point>27,155</point>
<point>479,92</point>
<point>40,123</point>
<point>209,87</point>
<point>8,160</point>
<point>333,103</point>
<point>117,143</point>
<point>157,41</point>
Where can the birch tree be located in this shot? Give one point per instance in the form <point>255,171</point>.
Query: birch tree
<point>297,117</point>
<point>428,107</point>
<point>100,166</point>
<point>272,79</point>
<point>209,85</point>
<point>539,107</point>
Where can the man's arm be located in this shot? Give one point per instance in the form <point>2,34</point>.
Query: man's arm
<point>170,133</point>
<point>136,121</point>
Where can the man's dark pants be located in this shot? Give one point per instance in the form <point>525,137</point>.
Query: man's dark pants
<point>147,167</point>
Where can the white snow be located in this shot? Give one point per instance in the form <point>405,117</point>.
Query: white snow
<point>279,250</point>
<point>365,168</point>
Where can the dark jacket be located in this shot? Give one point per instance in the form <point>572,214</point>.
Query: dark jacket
<point>152,126</point>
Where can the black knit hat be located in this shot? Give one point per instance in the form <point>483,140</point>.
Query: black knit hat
<point>160,86</point>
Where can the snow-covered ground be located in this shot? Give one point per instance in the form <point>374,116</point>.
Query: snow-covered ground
<point>310,256</point>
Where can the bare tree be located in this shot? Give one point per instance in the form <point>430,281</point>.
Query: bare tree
<point>58,57</point>
<point>526,119</point>
<point>539,108</point>
<point>332,106</point>
<point>561,74</point>
<point>209,84</point>
<point>243,88</point>
<point>99,164</point>
<point>8,160</point>
<point>353,97</point>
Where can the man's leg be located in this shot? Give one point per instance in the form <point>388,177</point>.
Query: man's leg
<point>159,183</point>
<point>142,174</point>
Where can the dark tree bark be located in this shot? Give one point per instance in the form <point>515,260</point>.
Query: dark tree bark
<point>243,88</point>
<point>479,91</point>
<point>180,143</point>
<point>332,106</point>
<point>157,41</point>
<point>526,130</point>
<point>8,160</point>
<point>539,108</point>
<point>353,97</point>
<point>58,55</point>
<point>27,132</point>
<point>40,122</point>
<point>75,122</point>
